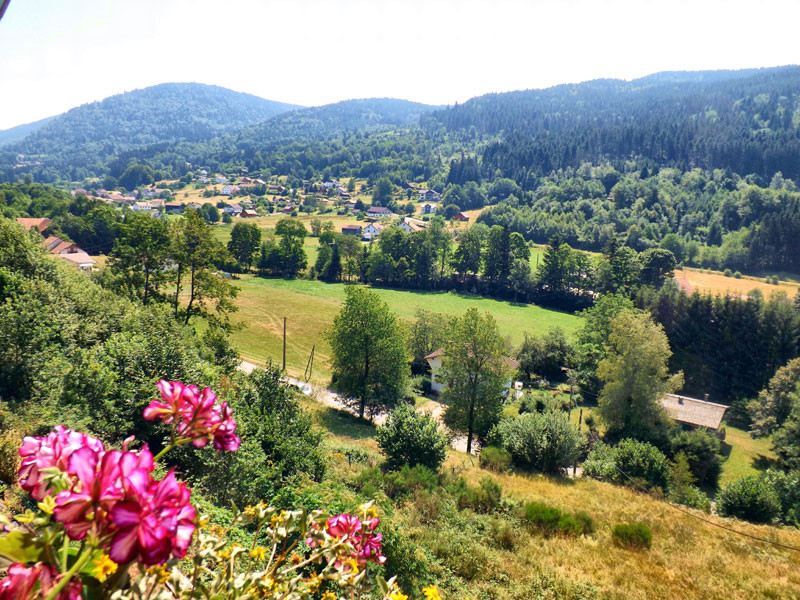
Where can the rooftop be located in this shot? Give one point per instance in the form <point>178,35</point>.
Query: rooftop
<point>692,411</point>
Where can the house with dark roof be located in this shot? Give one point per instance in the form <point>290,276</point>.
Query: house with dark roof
<point>379,211</point>
<point>461,217</point>
<point>351,229</point>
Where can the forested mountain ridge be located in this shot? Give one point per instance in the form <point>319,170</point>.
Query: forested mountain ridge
<point>15,134</point>
<point>746,121</point>
<point>87,138</point>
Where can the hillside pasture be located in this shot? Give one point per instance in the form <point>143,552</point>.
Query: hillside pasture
<point>310,307</point>
<point>715,282</point>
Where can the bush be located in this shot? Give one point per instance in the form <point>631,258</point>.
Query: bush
<point>691,496</point>
<point>750,498</point>
<point>545,442</point>
<point>642,462</point>
<point>550,520</point>
<point>787,488</point>
<point>632,535</point>
<point>702,451</point>
<point>728,273</point>
<point>409,479</point>
<point>737,275</point>
<point>482,499</point>
<point>411,438</point>
<point>494,459</point>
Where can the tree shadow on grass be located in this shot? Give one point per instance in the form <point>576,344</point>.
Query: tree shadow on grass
<point>344,424</point>
<point>762,463</point>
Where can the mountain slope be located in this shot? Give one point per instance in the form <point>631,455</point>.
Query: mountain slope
<point>321,121</point>
<point>94,134</point>
<point>15,134</point>
<point>747,121</point>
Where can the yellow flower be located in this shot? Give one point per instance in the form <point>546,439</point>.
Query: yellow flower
<point>328,596</point>
<point>398,595</point>
<point>353,564</point>
<point>431,593</point>
<point>314,581</point>
<point>103,567</point>
<point>258,552</point>
<point>160,571</point>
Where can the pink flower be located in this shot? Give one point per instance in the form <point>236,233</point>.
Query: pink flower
<point>360,535</point>
<point>52,451</point>
<point>98,488</point>
<point>195,414</point>
<point>154,521</point>
<point>21,580</point>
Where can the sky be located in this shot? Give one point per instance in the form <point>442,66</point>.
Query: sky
<point>57,54</point>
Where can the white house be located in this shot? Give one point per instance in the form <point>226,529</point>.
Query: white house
<point>435,363</point>
<point>233,209</point>
<point>372,231</point>
<point>410,225</point>
<point>220,179</point>
<point>428,196</point>
<point>379,211</point>
<point>429,208</point>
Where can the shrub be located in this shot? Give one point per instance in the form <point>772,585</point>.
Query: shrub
<point>787,488</point>
<point>640,461</point>
<point>632,535</point>
<point>702,451</point>
<point>503,534</point>
<point>482,499</point>
<point>409,479</point>
<point>545,442</point>
<point>691,496</point>
<point>411,438</point>
<point>550,520</point>
<point>750,498</point>
<point>494,459</point>
<point>737,275</point>
<point>728,273</point>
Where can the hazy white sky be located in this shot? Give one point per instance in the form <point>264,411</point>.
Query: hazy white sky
<point>56,54</point>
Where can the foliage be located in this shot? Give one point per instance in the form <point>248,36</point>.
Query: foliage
<point>484,498</point>
<point>545,442</point>
<point>495,459</point>
<point>550,520</point>
<point>411,438</point>
<point>635,376</point>
<point>681,485</point>
<point>776,402</point>
<point>787,488</point>
<point>634,536</point>
<point>369,355</point>
<point>750,498</point>
<point>426,335</point>
<point>702,451</point>
<point>244,243</point>
<point>476,373</point>
<point>630,462</point>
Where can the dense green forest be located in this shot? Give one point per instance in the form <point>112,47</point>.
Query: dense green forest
<point>90,139</point>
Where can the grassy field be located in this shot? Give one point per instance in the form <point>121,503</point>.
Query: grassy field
<point>715,282</point>
<point>688,559</point>
<point>311,305</point>
<point>744,455</point>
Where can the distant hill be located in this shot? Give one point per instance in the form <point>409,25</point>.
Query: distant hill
<point>85,139</point>
<point>747,121</point>
<point>321,121</point>
<point>14,134</point>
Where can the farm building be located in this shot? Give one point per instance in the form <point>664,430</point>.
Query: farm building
<point>351,229</point>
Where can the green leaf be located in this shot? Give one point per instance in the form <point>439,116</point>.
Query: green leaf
<point>20,546</point>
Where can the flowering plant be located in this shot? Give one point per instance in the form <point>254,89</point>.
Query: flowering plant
<point>106,527</point>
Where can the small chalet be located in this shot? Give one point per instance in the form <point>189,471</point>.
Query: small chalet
<point>228,190</point>
<point>379,211</point>
<point>193,205</point>
<point>434,360</point>
<point>81,259</point>
<point>220,179</point>
<point>372,231</point>
<point>143,206</point>
<point>248,213</point>
<point>693,412</point>
<point>276,189</point>
<point>461,217</point>
<point>233,209</point>
<point>428,196</point>
<point>173,208</point>
<point>429,208</point>
<point>68,251</point>
<point>350,205</point>
<point>351,229</point>
<point>40,225</point>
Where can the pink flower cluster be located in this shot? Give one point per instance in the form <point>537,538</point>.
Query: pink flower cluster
<point>20,582</point>
<point>360,535</point>
<point>195,415</point>
<point>113,495</point>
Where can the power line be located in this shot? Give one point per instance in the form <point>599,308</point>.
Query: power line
<point>708,521</point>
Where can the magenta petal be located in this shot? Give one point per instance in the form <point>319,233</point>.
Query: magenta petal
<point>124,546</point>
<point>126,514</point>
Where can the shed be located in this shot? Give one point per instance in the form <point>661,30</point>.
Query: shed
<point>694,412</point>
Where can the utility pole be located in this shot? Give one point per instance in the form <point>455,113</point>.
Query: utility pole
<point>283,367</point>
<point>575,464</point>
